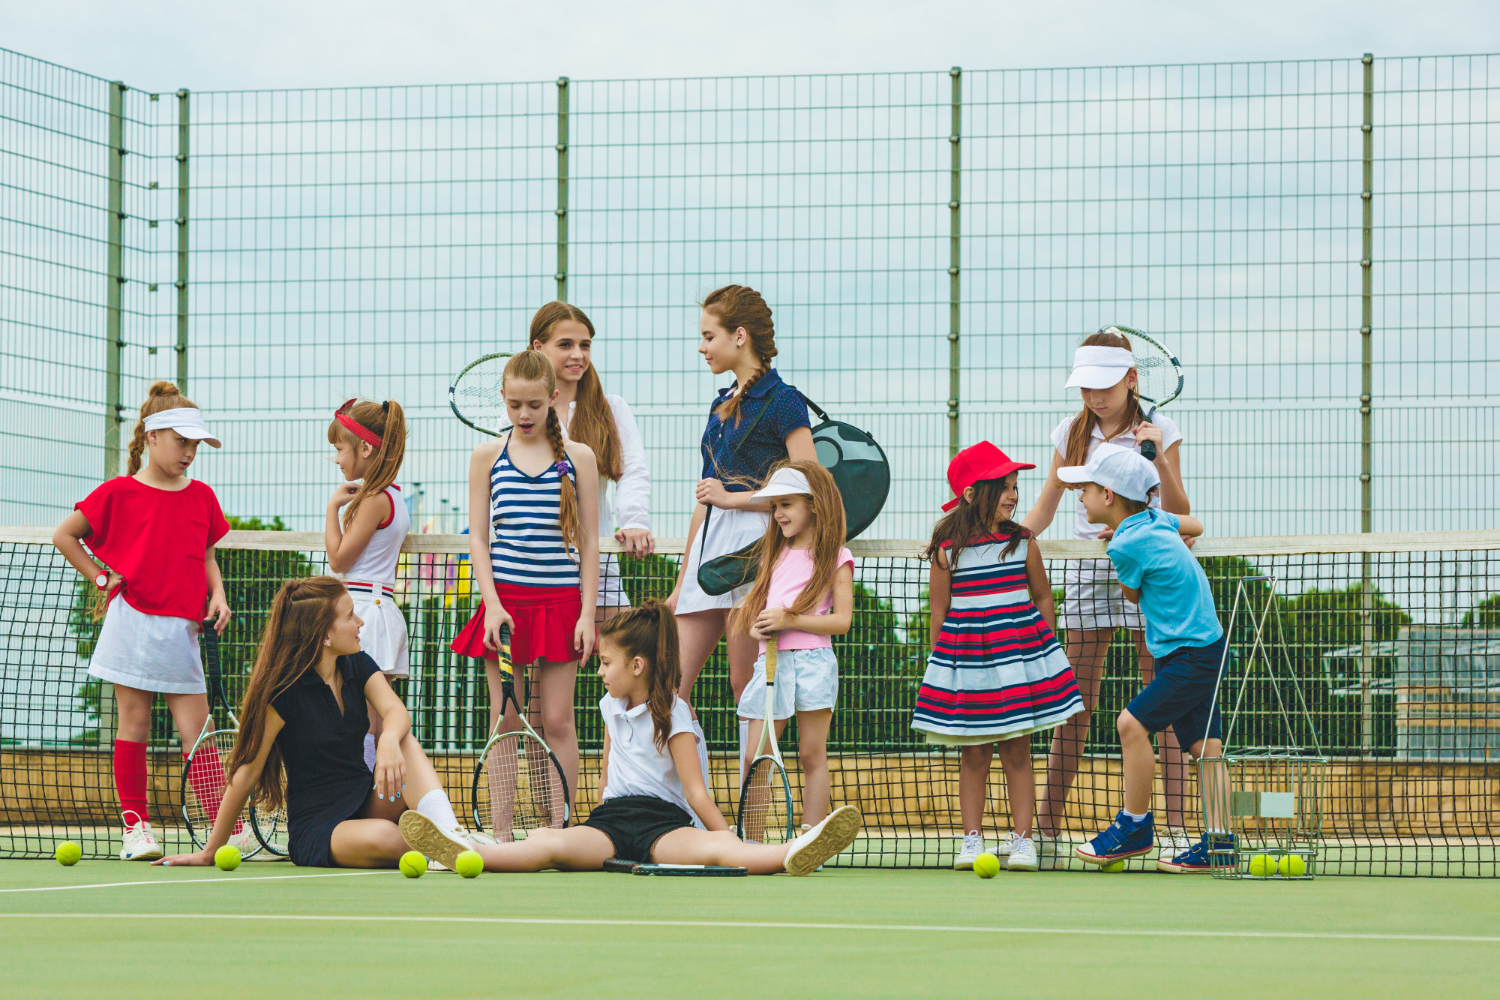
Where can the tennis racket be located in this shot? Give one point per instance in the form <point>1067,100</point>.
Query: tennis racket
<point>1158,375</point>
<point>475,396</point>
<point>765,814</point>
<point>518,785</point>
<point>623,867</point>
<point>203,776</point>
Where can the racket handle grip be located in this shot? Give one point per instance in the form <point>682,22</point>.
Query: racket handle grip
<point>1148,449</point>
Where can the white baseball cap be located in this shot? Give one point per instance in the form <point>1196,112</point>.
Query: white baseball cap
<point>1123,470</point>
<point>1098,367</point>
<point>185,420</point>
<point>785,482</point>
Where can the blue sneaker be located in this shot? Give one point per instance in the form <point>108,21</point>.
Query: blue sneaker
<point>1125,838</point>
<point>1197,859</point>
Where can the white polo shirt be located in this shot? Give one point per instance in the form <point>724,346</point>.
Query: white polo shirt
<point>1170,435</point>
<point>636,767</point>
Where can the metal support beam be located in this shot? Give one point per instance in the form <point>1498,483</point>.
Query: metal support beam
<point>1366,433</point>
<point>114,280</point>
<point>183,120</point>
<point>562,189</point>
<point>955,356</point>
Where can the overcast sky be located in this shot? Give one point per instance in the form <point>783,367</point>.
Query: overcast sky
<point>166,44</point>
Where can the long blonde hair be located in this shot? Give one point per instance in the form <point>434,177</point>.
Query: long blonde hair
<point>650,632</point>
<point>302,613</point>
<point>593,421</point>
<point>828,529</point>
<point>387,422</point>
<point>534,366</point>
<point>1081,431</point>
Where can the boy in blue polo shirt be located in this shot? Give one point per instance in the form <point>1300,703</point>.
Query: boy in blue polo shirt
<point>1156,571</point>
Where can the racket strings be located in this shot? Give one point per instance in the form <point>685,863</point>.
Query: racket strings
<point>205,783</point>
<point>519,789</point>
<point>765,805</point>
<point>476,394</point>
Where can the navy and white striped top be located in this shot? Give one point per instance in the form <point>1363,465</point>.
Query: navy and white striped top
<point>526,541</point>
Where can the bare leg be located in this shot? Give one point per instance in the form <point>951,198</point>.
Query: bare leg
<point>1215,787</point>
<point>190,714</point>
<point>556,683</point>
<point>373,840</point>
<point>1020,781</point>
<point>698,633</point>
<point>134,708</point>
<point>973,783</point>
<point>502,767</point>
<point>578,848</point>
<point>1173,760</point>
<point>812,754</point>
<point>1139,760</point>
<point>743,652</point>
<point>690,846</point>
<point>1086,651</point>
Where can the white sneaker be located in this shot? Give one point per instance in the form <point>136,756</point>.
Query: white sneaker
<point>245,841</point>
<point>807,853</point>
<point>1174,841</point>
<point>140,844</point>
<point>1022,854</point>
<point>1052,852</point>
<point>973,848</point>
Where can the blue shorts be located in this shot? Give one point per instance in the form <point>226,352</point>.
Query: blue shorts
<point>1181,694</point>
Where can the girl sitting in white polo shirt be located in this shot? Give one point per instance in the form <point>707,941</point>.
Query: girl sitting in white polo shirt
<point>651,783</point>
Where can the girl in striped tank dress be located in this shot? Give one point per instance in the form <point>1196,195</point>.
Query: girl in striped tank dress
<point>996,673</point>
<point>364,541</point>
<point>534,544</point>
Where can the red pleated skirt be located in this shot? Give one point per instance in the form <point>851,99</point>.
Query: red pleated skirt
<point>544,621</point>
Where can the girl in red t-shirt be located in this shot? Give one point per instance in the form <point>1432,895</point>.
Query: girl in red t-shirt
<point>155,530</point>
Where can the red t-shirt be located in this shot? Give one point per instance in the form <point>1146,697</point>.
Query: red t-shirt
<point>157,540</point>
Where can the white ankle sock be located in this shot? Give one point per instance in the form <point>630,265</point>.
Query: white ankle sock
<point>370,751</point>
<point>436,807</point>
<point>1134,817</point>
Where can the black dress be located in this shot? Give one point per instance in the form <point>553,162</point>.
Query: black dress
<point>323,750</point>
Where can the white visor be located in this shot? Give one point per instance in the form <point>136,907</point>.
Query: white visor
<point>784,483</point>
<point>1122,470</point>
<point>185,420</point>
<point>1099,367</point>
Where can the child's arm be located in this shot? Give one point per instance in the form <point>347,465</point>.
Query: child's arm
<point>684,748</point>
<point>236,794</point>
<point>1039,518</point>
<point>345,547</point>
<point>604,766</point>
<point>69,541</point>
<point>586,472</point>
<point>482,573</point>
<point>395,723</point>
<point>939,597</point>
<point>1039,585</point>
<point>836,622</point>
<point>218,603</point>
<point>1189,526</point>
<point>1132,594</point>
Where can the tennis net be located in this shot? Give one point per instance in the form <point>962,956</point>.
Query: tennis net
<point>1393,641</point>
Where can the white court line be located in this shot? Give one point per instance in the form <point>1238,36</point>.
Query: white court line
<point>767,925</point>
<point>200,881</point>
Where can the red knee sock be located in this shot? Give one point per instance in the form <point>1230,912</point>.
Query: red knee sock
<point>206,776</point>
<point>130,780</point>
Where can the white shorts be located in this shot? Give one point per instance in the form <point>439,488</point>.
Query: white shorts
<point>727,531</point>
<point>148,652</point>
<point>383,634</point>
<point>1092,599</point>
<point>806,680</point>
<point>611,586</point>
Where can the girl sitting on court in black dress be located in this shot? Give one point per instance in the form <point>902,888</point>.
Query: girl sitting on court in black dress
<point>305,711</point>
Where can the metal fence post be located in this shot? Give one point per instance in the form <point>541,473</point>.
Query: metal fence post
<point>183,120</point>
<point>114,280</point>
<point>562,189</point>
<point>955,136</point>
<point>1367,384</point>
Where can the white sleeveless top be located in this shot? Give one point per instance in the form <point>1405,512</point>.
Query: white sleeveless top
<point>377,563</point>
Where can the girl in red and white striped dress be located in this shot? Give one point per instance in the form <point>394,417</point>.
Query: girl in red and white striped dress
<point>996,673</point>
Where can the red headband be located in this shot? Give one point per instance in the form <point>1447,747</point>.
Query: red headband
<point>354,427</point>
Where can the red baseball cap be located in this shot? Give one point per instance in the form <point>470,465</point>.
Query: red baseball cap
<point>975,464</point>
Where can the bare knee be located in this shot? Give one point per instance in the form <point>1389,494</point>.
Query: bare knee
<point>980,756</point>
<point>557,721</point>
<point>1130,728</point>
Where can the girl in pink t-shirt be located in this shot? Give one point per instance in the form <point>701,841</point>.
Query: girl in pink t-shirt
<point>155,530</point>
<point>804,592</point>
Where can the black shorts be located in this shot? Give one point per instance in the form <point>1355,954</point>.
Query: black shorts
<point>634,823</point>
<point>1181,693</point>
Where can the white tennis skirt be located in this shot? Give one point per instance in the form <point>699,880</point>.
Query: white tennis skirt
<point>383,634</point>
<point>611,585</point>
<point>728,531</point>
<point>148,652</point>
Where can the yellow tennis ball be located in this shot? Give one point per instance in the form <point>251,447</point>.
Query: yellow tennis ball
<point>413,864</point>
<point>986,865</point>
<point>1113,867</point>
<point>227,858</point>
<point>1262,866</point>
<point>1292,865</point>
<point>469,864</point>
<point>68,853</point>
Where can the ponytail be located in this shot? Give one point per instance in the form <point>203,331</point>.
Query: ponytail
<point>650,632</point>
<point>386,421</point>
<point>161,396</point>
<point>534,366</point>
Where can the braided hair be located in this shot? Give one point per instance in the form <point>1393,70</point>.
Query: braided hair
<point>534,366</point>
<point>738,307</point>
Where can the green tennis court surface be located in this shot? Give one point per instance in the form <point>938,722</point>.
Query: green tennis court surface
<point>106,928</point>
